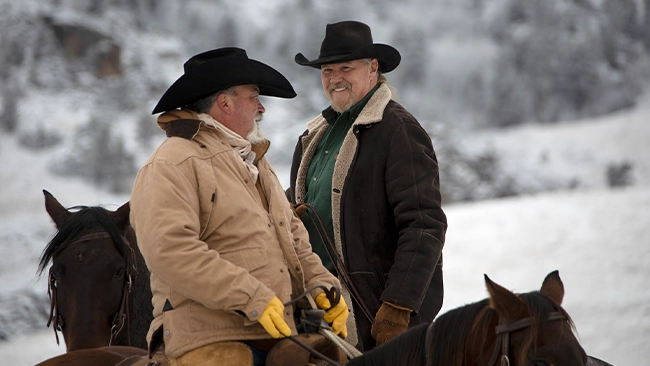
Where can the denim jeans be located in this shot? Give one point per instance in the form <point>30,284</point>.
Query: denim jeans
<point>259,357</point>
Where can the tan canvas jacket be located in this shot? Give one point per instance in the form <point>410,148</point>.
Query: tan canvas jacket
<point>215,253</point>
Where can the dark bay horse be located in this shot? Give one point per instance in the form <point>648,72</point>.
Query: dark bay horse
<point>529,329</point>
<point>98,282</point>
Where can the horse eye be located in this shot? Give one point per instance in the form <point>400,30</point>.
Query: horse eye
<point>121,271</point>
<point>54,276</point>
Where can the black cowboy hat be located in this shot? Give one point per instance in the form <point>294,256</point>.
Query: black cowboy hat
<point>219,69</point>
<point>351,40</point>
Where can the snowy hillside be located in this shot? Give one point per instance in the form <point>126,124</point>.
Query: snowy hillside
<point>595,236</point>
<point>79,78</point>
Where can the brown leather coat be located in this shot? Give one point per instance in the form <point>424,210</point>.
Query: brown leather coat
<point>386,208</point>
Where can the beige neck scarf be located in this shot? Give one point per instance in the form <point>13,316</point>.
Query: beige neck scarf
<point>240,146</point>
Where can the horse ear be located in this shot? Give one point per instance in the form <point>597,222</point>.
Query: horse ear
<point>506,303</point>
<point>553,287</point>
<point>57,212</point>
<point>121,216</point>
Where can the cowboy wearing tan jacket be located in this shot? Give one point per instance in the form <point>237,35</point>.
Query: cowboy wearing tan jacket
<point>223,246</point>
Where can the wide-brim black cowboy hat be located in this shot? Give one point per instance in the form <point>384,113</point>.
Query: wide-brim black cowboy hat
<point>351,40</point>
<point>220,69</point>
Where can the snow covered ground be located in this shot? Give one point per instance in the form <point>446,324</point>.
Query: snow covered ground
<point>598,238</point>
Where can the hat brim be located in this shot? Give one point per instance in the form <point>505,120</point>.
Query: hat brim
<point>219,74</point>
<point>388,57</point>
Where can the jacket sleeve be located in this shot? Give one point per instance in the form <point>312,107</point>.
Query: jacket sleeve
<point>413,190</point>
<point>165,206</point>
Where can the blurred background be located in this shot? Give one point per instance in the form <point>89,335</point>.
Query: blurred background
<point>520,98</point>
<point>78,78</point>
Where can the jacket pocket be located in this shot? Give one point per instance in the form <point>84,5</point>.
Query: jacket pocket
<point>250,258</point>
<point>202,318</point>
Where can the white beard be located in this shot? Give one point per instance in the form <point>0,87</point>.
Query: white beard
<point>256,135</point>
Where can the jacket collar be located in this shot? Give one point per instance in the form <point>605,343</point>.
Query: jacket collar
<point>186,124</point>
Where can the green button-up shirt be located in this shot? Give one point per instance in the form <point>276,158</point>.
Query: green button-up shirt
<point>321,170</point>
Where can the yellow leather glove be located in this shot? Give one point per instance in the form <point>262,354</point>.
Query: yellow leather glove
<point>337,316</point>
<point>391,320</point>
<point>272,319</point>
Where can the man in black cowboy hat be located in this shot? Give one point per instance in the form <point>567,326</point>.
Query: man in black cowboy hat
<point>223,246</point>
<point>369,170</point>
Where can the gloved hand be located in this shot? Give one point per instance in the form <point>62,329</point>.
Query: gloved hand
<point>391,320</point>
<point>299,209</point>
<point>337,316</point>
<point>272,319</point>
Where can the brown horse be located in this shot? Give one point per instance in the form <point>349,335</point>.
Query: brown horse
<point>98,282</point>
<point>102,356</point>
<point>529,329</point>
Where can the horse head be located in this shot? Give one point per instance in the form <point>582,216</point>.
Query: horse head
<point>505,329</point>
<point>95,263</point>
<point>532,328</point>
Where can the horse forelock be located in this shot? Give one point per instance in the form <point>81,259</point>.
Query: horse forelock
<point>86,219</point>
<point>540,308</point>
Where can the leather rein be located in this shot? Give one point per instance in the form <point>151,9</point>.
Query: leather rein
<point>336,260</point>
<point>119,319</point>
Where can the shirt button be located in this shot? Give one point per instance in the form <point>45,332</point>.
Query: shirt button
<point>281,270</point>
<point>254,313</point>
<point>314,179</point>
<point>298,268</point>
<point>166,332</point>
<point>327,152</point>
<point>281,223</point>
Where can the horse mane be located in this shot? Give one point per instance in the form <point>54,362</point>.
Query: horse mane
<point>84,220</point>
<point>406,349</point>
<point>449,332</point>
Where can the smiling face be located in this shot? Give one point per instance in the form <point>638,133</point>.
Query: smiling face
<point>346,83</point>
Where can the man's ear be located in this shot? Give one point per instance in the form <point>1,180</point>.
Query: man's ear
<point>221,107</point>
<point>374,65</point>
<point>223,102</point>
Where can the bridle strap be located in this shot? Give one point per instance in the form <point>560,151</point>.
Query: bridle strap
<point>122,314</point>
<point>503,331</point>
<point>51,292</point>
